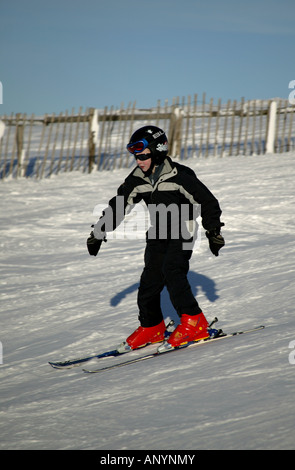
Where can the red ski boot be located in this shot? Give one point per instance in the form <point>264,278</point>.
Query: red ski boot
<point>144,335</point>
<point>191,328</point>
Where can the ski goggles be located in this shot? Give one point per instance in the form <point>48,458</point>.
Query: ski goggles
<point>138,147</point>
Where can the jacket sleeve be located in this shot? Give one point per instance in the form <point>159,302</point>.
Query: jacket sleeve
<point>114,213</point>
<point>210,209</point>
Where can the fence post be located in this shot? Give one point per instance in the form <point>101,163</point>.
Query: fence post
<point>95,126</point>
<point>19,139</point>
<point>270,141</point>
<point>175,132</point>
<point>91,141</point>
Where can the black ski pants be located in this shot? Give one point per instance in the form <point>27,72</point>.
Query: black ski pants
<point>166,264</point>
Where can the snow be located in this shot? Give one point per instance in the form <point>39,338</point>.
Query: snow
<point>57,303</point>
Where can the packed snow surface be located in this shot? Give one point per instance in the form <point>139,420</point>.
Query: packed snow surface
<point>57,303</point>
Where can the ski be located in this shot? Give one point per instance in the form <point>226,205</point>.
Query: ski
<point>219,336</point>
<point>69,364</point>
<point>79,361</point>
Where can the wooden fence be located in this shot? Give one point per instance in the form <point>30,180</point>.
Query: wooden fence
<point>32,146</point>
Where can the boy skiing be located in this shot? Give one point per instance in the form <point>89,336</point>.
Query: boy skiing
<point>162,183</point>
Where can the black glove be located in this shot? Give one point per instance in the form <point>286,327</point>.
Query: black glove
<point>93,244</point>
<point>216,240</point>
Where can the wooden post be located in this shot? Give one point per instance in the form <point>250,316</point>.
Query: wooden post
<point>187,127</point>
<point>241,114</point>
<point>276,139</point>
<point>76,138</point>
<point>202,129</point>
<point>232,138</point>
<point>108,141</point>
<point>216,138</point>
<point>158,112</point>
<point>282,146</point>
<point>47,145</point>
<point>270,143</point>
<point>119,139</point>
<point>247,128</point>
<point>291,115</point>
<point>91,143</point>
<point>62,143</point>
<point>122,148</point>
<point>99,155</point>
<point>6,149</point>
<point>38,162</point>
<point>27,155</point>
<point>167,119</point>
<point>130,132</point>
<point>54,146</point>
<point>208,127</point>
<point>175,131</point>
<point>260,127</point>
<point>20,142</point>
<point>69,139</point>
<point>194,124</point>
<point>225,128</point>
<point>84,126</point>
<point>2,131</point>
<point>253,127</point>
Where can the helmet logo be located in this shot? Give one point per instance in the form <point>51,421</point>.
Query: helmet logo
<point>157,134</point>
<point>162,147</point>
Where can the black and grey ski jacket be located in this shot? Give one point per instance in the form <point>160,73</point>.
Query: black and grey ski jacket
<point>177,187</point>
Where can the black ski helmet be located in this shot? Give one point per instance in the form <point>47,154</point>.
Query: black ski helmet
<point>155,140</point>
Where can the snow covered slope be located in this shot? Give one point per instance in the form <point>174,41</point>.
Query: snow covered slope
<point>58,302</point>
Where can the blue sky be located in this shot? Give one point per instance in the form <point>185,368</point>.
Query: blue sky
<point>56,55</point>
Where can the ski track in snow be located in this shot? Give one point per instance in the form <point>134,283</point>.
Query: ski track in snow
<point>57,303</point>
